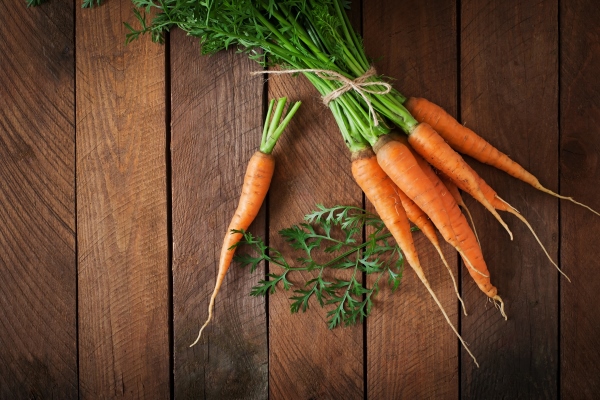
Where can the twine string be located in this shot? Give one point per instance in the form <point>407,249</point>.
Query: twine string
<point>360,85</point>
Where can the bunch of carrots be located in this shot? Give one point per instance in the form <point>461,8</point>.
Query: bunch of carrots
<point>405,151</point>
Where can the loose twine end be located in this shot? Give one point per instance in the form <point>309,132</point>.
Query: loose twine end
<point>360,85</point>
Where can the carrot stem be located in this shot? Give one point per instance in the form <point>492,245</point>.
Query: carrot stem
<point>276,125</point>
<point>266,127</point>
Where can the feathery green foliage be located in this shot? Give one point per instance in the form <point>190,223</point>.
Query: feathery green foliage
<point>330,240</point>
<point>291,34</point>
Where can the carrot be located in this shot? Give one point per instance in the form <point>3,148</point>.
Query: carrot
<point>396,159</point>
<point>419,218</point>
<point>466,141</point>
<point>257,180</point>
<point>424,168</point>
<point>472,251</point>
<point>382,193</point>
<point>453,189</point>
<point>426,141</point>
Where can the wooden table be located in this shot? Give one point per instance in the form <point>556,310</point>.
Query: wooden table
<point>120,167</point>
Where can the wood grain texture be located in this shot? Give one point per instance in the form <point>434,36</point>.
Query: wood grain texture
<point>580,174</point>
<point>509,94</point>
<point>122,213</point>
<point>306,359</point>
<point>217,116</point>
<point>411,350</point>
<point>38,351</point>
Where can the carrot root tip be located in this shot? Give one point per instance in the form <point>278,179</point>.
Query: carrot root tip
<point>522,218</point>
<point>200,333</point>
<point>550,192</point>
<point>462,303</point>
<point>210,315</point>
<point>499,303</point>
<point>421,276</point>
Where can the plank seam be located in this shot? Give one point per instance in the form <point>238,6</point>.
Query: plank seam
<point>559,255</point>
<point>169,206</point>
<point>75,198</point>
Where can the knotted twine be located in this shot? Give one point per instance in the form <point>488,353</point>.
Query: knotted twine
<point>359,85</point>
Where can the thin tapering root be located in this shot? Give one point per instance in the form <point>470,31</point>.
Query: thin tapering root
<point>550,192</point>
<point>497,216</point>
<point>211,306</point>
<point>538,240</point>
<point>497,299</point>
<point>464,207</point>
<point>439,250</point>
<point>426,283</point>
<point>468,262</point>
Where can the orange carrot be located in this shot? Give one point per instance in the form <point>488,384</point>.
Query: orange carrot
<point>472,251</point>
<point>453,189</point>
<point>396,159</point>
<point>425,167</point>
<point>464,140</point>
<point>438,153</point>
<point>382,193</point>
<point>419,218</point>
<point>254,190</point>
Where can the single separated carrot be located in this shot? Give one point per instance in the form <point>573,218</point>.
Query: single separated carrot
<point>382,193</point>
<point>464,140</point>
<point>254,190</point>
<point>431,146</point>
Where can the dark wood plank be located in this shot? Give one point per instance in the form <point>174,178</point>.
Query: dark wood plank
<point>509,94</point>
<point>38,350</point>
<point>306,359</point>
<point>411,350</point>
<point>122,213</point>
<point>217,113</point>
<point>580,174</point>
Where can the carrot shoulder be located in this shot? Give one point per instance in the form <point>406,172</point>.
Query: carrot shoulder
<point>396,159</point>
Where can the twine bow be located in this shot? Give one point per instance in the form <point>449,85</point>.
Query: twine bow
<point>360,85</point>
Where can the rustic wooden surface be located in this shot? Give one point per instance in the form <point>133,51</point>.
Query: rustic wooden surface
<point>38,266</point>
<point>405,364</point>
<point>516,44</point>
<point>120,167</point>
<point>122,242</point>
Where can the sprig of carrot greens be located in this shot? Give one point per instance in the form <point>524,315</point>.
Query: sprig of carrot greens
<point>338,232</point>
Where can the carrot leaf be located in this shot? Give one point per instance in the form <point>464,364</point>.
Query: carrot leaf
<point>330,240</point>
